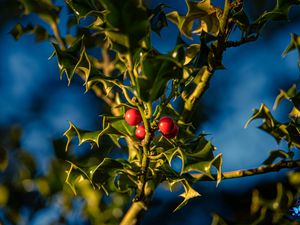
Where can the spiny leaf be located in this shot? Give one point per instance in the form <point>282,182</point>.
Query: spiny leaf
<point>84,8</point>
<point>84,135</point>
<point>294,44</point>
<point>187,195</point>
<point>156,72</point>
<point>74,175</point>
<point>126,31</point>
<point>277,154</point>
<point>262,113</point>
<point>203,11</point>
<point>280,12</point>
<point>241,19</point>
<point>104,176</point>
<point>288,95</point>
<point>43,8</point>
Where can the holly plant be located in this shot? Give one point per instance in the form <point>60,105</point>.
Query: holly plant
<point>150,97</point>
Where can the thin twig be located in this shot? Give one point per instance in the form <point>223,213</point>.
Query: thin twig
<point>230,44</point>
<point>250,172</point>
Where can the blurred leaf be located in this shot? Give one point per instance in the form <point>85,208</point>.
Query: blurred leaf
<point>277,154</point>
<point>206,13</point>
<point>43,8</point>
<point>294,44</point>
<point>178,20</point>
<point>4,195</point>
<point>294,178</point>
<point>40,33</point>
<point>241,19</point>
<point>3,159</point>
<point>119,125</point>
<point>201,58</point>
<point>84,8</point>
<point>296,100</point>
<point>262,113</point>
<point>288,95</point>
<point>156,72</point>
<point>280,12</point>
<point>217,220</point>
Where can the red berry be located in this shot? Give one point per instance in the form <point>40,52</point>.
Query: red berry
<point>133,117</point>
<point>166,125</point>
<point>140,132</point>
<point>173,133</point>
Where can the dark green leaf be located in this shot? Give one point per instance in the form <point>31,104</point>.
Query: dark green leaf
<point>84,8</point>
<point>43,8</point>
<point>156,72</point>
<point>84,135</point>
<point>276,154</point>
<point>126,31</point>
<point>73,59</point>
<point>294,44</point>
<point>241,19</point>
<point>262,113</point>
<point>158,18</point>
<point>280,12</point>
<point>75,175</point>
<point>288,95</point>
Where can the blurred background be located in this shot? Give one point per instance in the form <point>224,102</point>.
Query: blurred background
<point>35,107</point>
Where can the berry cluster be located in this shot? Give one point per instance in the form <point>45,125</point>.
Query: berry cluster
<point>166,125</point>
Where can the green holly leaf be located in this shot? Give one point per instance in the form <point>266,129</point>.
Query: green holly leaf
<point>84,135</point>
<point>156,72</point>
<point>126,31</point>
<point>292,134</point>
<point>203,11</point>
<point>280,12</point>
<point>104,174</point>
<point>294,44</point>
<point>40,33</point>
<point>188,194</point>
<point>288,95</point>
<point>275,154</point>
<point>241,19</point>
<point>71,59</point>
<point>119,125</point>
<point>75,175</point>
<point>45,9</point>
<point>84,8</point>
<point>262,113</point>
<point>199,157</point>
